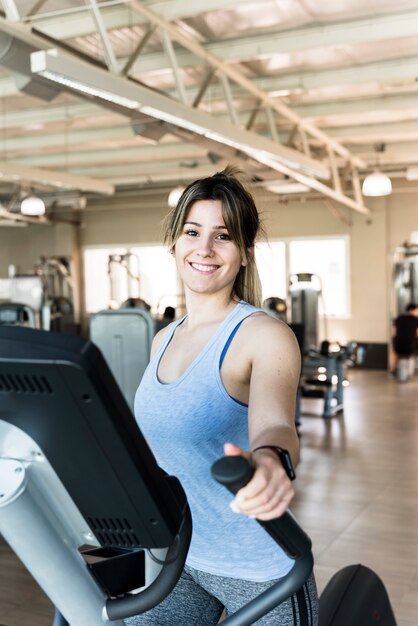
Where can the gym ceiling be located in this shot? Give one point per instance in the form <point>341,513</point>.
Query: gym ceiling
<point>104,97</point>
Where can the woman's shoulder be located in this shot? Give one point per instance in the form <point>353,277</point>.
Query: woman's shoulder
<point>261,330</point>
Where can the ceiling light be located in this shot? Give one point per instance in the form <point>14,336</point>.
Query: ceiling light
<point>50,66</point>
<point>377,184</point>
<point>174,196</point>
<point>32,205</point>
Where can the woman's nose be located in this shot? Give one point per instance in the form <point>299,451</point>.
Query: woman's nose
<point>205,247</point>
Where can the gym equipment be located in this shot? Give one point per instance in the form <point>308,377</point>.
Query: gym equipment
<point>124,337</point>
<point>16,313</point>
<point>57,312</point>
<point>24,291</point>
<point>235,472</point>
<point>323,376</point>
<point>49,292</point>
<point>276,307</point>
<point>75,470</point>
<point>83,503</point>
<point>355,596</point>
<point>124,278</point>
<point>77,475</point>
<point>304,291</point>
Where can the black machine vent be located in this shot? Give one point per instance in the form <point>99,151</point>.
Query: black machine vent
<point>113,532</point>
<point>23,383</point>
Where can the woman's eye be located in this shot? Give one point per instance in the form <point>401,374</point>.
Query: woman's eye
<point>223,237</point>
<point>191,233</point>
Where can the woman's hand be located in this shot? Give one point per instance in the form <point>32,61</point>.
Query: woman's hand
<point>269,492</point>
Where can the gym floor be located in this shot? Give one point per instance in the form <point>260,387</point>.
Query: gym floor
<point>357,497</point>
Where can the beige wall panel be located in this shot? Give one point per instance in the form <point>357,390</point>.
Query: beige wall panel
<point>122,226</point>
<point>296,219</point>
<point>23,247</point>
<point>402,218</point>
<point>369,278</point>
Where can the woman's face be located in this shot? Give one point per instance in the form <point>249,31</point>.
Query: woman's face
<point>207,259</point>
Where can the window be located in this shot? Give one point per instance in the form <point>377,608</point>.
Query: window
<point>326,257</point>
<point>271,264</point>
<point>148,272</point>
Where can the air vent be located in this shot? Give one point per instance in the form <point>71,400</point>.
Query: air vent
<point>23,383</point>
<point>114,532</point>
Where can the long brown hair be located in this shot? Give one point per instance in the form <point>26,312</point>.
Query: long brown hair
<point>241,219</point>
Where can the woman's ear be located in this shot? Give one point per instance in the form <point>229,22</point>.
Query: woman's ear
<point>249,257</point>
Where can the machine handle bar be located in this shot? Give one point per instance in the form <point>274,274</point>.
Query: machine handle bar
<point>234,472</point>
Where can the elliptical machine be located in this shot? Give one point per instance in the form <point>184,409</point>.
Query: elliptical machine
<point>112,529</point>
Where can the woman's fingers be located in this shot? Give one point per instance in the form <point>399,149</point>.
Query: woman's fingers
<point>274,499</point>
<point>267,495</point>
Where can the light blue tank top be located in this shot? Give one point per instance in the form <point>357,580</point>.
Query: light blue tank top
<point>186,424</point>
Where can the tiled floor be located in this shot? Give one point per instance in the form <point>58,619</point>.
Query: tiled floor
<point>357,492</point>
<point>357,496</point>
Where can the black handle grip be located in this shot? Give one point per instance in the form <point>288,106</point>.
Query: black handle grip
<point>235,472</point>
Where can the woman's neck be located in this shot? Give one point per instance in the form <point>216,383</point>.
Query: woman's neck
<point>205,308</point>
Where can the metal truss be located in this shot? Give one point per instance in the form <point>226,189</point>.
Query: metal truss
<point>308,156</point>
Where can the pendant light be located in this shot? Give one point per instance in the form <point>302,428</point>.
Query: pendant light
<point>32,205</point>
<point>377,183</point>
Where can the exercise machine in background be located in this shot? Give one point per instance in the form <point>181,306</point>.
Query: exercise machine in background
<point>124,280</point>
<point>304,295</point>
<point>17,314</point>
<point>124,337</point>
<point>324,366</point>
<point>41,299</point>
<point>324,376</point>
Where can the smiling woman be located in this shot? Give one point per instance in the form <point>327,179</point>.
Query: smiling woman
<point>207,258</point>
<point>223,380</point>
<point>238,222</point>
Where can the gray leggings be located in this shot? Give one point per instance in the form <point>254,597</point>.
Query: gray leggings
<point>199,598</point>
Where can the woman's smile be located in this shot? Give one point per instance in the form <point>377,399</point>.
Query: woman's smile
<point>204,268</point>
